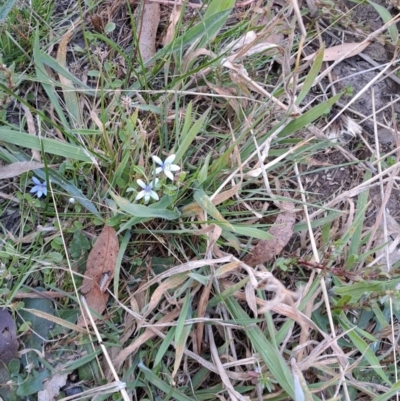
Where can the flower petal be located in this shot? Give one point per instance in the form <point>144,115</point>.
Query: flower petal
<point>141,184</point>
<point>147,198</point>
<point>36,181</point>
<point>39,193</point>
<point>44,191</point>
<point>174,167</point>
<point>34,189</point>
<point>140,195</point>
<point>157,160</point>
<point>155,182</point>
<point>158,170</point>
<point>170,159</point>
<point>169,175</point>
<point>154,195</point>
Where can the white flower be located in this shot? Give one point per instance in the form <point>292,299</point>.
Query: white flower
<point>147,192</point>
<point>167,167</point>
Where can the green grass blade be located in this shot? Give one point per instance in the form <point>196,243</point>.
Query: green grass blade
<point>51,146</point>
<point>204,31</point>
<point>309,116</point>
<point>185,312</point>
<point>395,389</point>
<point>182,331</point>
<point>216,7</point>
<point>162,385</point>
<point>188,120</point>
<point>50,62</point>
<point>270,354</point>
<point>164,346</point>
<point>252,232</point>
<point>186,140</point>
<point>363,347</point>
<point>310,78</point>
<point>121,253</point>
<point>357,228</point>
<point>386,16</point>
<point>48,86</point>
<point>205,203</point>
<point>71,189</point>
<point>5,9</point>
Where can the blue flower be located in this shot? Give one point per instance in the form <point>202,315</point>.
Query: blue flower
<point>167,167</point>
<point>39,189</point>
<point>147,192</point>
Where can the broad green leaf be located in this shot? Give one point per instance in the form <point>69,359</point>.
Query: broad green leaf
<point>5,9</point>
<point>205,203</point>
<point>252,232</point>
<point>143,211</point>
<point>188,138</point>
<point>362,346</point>
<point>164,202</point>
<point>51,146</point>
<point>310,78</point>
<point>33,383</point>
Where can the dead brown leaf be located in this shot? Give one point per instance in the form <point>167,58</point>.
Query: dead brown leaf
<point>282,230</point>
<point>8,337</point>
<point>201,312</point>
<point>336,52</point>
<point>100,268</point>
<point>150,19</point>
<point>16,169</point>
<point>51,388</point>
<point>30,122</point>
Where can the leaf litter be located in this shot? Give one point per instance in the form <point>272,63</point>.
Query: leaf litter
<point>230,346</point>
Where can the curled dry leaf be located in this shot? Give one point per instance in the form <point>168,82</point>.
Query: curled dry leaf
<point>17,168</point>
<point>100,267</point>
<point>336,52</point>
<point>150,19</point>
<point>51,388</point>
<point>173,20</point>
<point>282,230</point>
<point>282,295</point>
